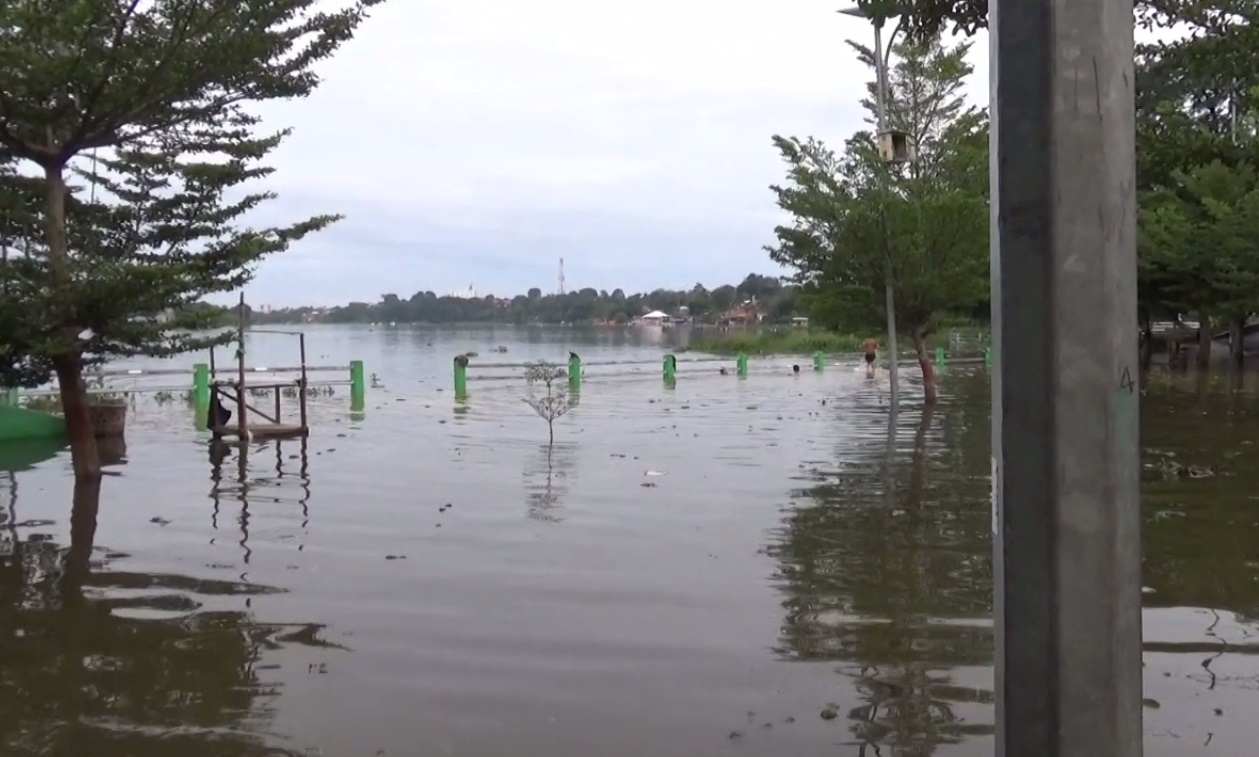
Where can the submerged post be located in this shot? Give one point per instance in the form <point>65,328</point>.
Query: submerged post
<point>574,372</point>
<point>819,360</point>
<point>358,386</point>
<point>242,430</point>
<point>301,403</point>
<point>201,393</point>
<point>670,369</point>
<point>741,364</point>
<point>461,377</point>
<point>1067,562</point>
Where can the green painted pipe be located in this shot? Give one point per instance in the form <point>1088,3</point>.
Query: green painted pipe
<point>461,377</point>
<point>201,394</point>
<point>574,373</point>
<point>358,386</point>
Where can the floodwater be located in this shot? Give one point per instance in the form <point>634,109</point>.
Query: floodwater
<point>726,567</point>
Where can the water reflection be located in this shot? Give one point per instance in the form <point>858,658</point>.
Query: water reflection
<point>112,451</point>
<point>886,571</point>
<point>116,664</point>
<point>8,514</point>
<point>276,472</point>
<point>546,480</point>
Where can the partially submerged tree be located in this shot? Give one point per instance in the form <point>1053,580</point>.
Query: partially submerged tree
<point>552,405</point>
<point>1200,237</point>
<point>161,88</point>
<point>1196,74</point>
<point>852,212</point>
<point>1196,137</point>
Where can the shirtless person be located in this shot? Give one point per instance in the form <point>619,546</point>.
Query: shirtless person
<point>872,350</point>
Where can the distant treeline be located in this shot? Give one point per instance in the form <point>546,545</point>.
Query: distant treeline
<point>774,301</point>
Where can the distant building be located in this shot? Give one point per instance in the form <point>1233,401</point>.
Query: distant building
<point>655,318</point>
<point>745,312</point>
<point>467,294</point>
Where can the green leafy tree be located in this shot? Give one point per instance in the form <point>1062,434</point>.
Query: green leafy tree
<point>162,89</point>
<point>852,213</point>
<point>1199,238</point>
<point>577,307</point>
<point>1196,93</point>
<point>1196,101</point>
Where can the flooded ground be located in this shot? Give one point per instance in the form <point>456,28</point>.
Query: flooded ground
<point>727,567</point>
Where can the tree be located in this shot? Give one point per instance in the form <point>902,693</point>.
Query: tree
<point>161,88</point>
<point>1199,238</point>
<point>583,306</point>
<point>553,405</point>
<point>1196,101</point>
<point>852,212</point>
<point>1196,94</point>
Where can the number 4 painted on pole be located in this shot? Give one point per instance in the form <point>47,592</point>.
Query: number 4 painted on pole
<point>1126,384</point>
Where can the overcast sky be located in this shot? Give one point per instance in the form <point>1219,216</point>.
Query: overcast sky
<point>476,142</point>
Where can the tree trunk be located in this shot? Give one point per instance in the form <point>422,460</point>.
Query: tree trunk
<point>929,393</point>
<point>1204,341</point>
<point>68,365</point>
<point>1237,340</point>
<point>78,559</point>
<point>83,453</point>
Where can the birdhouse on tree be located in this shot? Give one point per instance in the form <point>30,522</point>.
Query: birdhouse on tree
<point>897,147</point>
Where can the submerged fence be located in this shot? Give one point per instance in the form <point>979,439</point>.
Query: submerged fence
<point>202,378</point>
<point>575,373</point>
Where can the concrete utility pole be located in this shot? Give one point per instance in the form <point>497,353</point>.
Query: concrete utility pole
<point>880,117</point>
<point>1065,439</point>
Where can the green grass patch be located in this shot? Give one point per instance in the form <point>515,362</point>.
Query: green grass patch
<point>775,341</point>
<point>798,341</point>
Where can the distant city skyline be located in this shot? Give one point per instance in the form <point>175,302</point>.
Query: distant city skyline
<point>471,292</point>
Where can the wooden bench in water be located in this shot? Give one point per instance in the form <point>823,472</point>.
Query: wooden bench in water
<point>221,421</point>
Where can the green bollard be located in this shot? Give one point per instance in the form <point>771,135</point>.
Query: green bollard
<point>670,368</point>
<point>461,377</point>
<point>358,387</point>
<point>819,361</point>
<point>10,397</point>
<point>574,373</point>
<point>987,356</point>
<point>741,364</point>
<point>201,394</point>
<point>941,358</point>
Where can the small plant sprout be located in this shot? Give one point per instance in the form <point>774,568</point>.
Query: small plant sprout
<point>552,405</point>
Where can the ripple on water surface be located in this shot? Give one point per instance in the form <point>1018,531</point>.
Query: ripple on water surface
<point>724,567</point>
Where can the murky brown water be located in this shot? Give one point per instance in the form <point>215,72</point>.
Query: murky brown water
<point>424,579</point>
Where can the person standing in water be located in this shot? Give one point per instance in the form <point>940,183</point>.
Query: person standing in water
<point>872,352</point>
